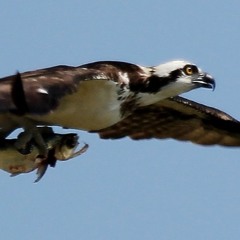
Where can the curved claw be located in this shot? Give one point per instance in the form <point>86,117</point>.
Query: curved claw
<point>25,140</point>
<point>27,149</point>
<point>14,174</point>
<point>43,164</point>
<point>41,171</point>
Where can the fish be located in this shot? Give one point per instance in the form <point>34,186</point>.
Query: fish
<point>61,147</point>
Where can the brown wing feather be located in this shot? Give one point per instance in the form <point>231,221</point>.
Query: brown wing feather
<point>36,91</point>
<point>39,91</point>
<point>180,119</point>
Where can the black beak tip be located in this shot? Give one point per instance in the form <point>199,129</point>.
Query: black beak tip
<point>210,82</point>
<point>206,81</point>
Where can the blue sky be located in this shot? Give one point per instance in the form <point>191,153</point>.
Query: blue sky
<point>122,189</point>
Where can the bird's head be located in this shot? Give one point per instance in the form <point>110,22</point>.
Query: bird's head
<point>171,79</point>
<point>180,76</point>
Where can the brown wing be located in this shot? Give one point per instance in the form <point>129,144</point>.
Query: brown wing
<point>39,91</point>
<point>180,119</point>
<point>33,92</point>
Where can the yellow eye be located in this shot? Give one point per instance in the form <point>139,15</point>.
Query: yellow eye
<point>188,70</point>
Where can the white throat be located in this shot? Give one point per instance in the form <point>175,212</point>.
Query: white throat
<point>173,89</point>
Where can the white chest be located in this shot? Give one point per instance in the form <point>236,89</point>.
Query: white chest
<point>95,105</point>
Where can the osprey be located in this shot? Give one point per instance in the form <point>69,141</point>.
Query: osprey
<point>115,99</point>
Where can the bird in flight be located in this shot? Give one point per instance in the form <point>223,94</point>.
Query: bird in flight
<point>114,99</point>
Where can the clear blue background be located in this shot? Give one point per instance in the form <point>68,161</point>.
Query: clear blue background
<point>153,189</point>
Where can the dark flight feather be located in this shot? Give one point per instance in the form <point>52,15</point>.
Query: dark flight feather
<point>180,119</point>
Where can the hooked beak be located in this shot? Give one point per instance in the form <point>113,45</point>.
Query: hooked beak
<point>205,80</point>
